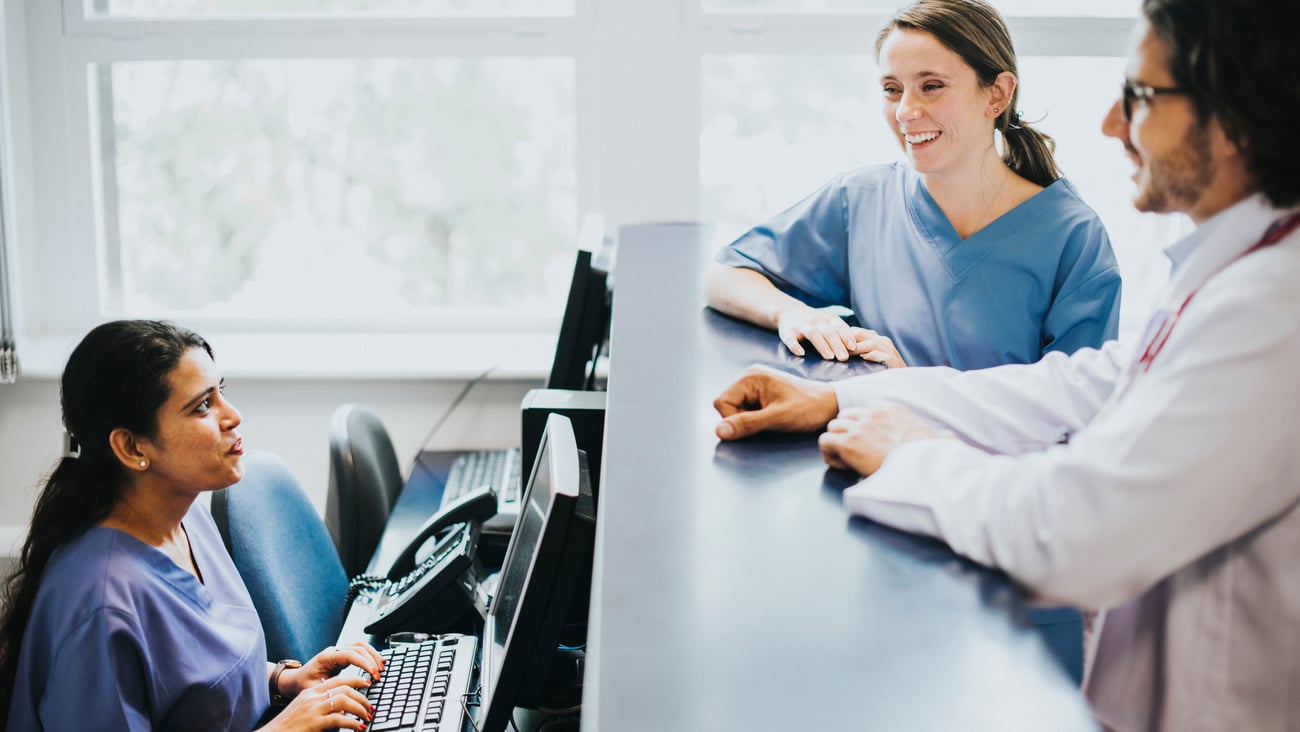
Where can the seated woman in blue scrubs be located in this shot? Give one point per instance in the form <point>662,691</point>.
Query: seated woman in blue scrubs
<point>126,612</point>
<point>956,257</point>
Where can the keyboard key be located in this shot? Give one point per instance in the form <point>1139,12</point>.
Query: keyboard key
<point>498,469</point>
<point>416,693</point>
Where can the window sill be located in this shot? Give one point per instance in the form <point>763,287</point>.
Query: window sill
<point>371,356</point>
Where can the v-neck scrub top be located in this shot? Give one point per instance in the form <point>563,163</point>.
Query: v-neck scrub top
<point>121,638</point>
<point>1040,278</point>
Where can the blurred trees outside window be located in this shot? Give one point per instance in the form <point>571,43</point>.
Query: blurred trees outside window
<point>327,188</point>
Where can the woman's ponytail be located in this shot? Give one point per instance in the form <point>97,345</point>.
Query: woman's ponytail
<point>1028,152</point>
<point>117,377</point>
<point>64,510</point>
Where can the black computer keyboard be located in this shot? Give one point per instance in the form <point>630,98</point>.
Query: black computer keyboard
<point>423,686</point>
<point>473,470</point>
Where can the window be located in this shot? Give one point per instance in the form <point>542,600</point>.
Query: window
<point>1094,8</point>
<point>421,166</point>
<point>775,128</point>
<point>306,165</point>
<point>322,189</point>
<point>220,8</point>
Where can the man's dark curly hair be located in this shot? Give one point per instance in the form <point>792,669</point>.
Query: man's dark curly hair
<point>1239,61</point>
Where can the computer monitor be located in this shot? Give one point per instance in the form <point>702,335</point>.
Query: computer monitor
<point>547,563</point>
<point>583,329</point>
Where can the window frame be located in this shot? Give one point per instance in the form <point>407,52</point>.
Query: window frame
<point>638,87</point>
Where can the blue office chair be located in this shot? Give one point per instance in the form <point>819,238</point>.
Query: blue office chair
<point>285,556</point>
<point>365,479</point>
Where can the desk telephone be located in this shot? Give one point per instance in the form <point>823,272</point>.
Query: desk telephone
<point>433,582</point>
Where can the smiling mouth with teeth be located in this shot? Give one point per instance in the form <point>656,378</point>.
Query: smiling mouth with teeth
<point>920,137</point>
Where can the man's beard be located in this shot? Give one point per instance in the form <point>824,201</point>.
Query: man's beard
<point>1176,180</point>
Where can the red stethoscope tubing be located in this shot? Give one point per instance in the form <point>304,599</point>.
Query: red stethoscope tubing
<point>1276,232</point>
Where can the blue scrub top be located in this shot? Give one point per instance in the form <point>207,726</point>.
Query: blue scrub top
<point>121,638</point>
<point>1040,278</point>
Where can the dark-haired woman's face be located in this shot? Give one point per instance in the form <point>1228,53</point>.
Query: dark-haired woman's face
<point>196,447</point>
<point>933,102</point>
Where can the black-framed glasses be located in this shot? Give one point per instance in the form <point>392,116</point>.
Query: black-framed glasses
<point>1137,91</point>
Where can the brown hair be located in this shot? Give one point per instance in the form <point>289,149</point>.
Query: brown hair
<point>1236,62</point>
<point>973,30</point>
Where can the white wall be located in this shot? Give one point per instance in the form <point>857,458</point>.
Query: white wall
<point>287,417</point>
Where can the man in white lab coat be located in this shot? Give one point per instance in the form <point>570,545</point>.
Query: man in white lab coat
<point>1156,481</point>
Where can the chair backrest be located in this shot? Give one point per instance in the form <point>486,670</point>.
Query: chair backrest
<point>365,479</point>
<point>284,554</point>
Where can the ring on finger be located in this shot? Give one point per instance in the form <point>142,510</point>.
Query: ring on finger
<point>330,695</point>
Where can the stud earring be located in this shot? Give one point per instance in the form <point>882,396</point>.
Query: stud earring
<point>144,463</point>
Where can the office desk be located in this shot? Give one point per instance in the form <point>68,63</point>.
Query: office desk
<point>731,589</point>
<point>418,500</point>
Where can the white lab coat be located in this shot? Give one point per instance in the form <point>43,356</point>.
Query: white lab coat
<point>1173,506</point>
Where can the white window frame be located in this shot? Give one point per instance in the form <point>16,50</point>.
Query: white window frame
<point>638,67</point>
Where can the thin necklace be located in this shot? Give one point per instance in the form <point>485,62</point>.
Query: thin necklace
<point>984,217</point>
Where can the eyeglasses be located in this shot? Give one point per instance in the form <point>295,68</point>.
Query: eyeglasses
<point>1135,91</point>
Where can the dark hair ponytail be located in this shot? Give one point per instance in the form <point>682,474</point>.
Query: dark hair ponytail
<point>116,377</point>
<point>973,30</point>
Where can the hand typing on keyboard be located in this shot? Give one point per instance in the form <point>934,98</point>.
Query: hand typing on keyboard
<point>335,704</point>
<point>424,685</point>
<point>323,701</point>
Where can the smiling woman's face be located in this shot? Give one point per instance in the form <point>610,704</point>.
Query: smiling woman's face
<point>933,102</point>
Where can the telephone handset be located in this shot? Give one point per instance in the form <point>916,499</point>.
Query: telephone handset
<point>427,587</point>
<point>477,506</point>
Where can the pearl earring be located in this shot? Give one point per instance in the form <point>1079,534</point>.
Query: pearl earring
<point>144,463</point>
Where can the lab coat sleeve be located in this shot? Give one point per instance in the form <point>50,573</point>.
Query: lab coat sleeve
<point>1198,452</point>
<point>1009,409</point>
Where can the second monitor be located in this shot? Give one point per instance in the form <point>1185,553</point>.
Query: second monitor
<point>583,329</point>
<point>546,570</point>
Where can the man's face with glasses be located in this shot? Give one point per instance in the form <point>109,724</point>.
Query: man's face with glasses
<point>1162,134</point>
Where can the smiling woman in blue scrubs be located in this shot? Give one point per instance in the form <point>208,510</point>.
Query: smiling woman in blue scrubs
<point>126,612</point>
<point>958,256</point>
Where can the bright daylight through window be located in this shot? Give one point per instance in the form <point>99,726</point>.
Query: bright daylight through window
<point>287,166</point>
<point>316,189</point>
<point>202,8</point>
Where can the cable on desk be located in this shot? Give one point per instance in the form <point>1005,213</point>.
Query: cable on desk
<point>464,392</point>
<point>465,700</point>
<point>565,722</point>
<point>576,631</point>
<point>560,712</point>
<point>359,584</point>
<point>469,700</point>
<point>554,717</point>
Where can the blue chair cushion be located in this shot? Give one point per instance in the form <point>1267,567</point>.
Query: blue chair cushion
<point>286,557</point>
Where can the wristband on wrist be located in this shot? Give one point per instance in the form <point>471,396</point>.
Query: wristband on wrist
<point>274,683</point>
